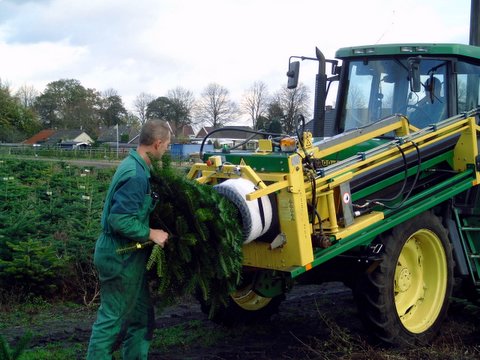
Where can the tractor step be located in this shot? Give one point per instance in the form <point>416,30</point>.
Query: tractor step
<point>469,228</point>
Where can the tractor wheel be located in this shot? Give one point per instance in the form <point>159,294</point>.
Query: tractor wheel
<point>244,306</point>
<point>404,299</point>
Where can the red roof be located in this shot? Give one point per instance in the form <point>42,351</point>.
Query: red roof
<point>39,137</point>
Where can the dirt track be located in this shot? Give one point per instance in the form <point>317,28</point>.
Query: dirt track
<point>279,338</point>
<point>314,322</point>
<point>282,337</point>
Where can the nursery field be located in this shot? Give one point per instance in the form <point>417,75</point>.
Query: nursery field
<point>49,221</point>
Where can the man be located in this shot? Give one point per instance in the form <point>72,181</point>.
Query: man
<point>431,109</point>
<point>125,315</point>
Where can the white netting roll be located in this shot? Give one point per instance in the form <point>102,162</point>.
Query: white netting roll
<point>256,214</point>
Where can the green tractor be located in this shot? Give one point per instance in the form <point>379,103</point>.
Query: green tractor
<point>381,194</point>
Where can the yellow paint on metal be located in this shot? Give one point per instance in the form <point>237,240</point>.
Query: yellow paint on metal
<point>391,154</point>
<point>466,149</point>
<point>247,299</point>
<point>294,194</point>
<point>332,214</point>
<point>307,140</point>
<point>401,126</point>
<point>268,190</point>
<point>265,145</point>
<point>360,222</point>
<point>420,281</point>
<point>294,224</point>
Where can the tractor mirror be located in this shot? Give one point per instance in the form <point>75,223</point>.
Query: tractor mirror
<point>293,71</point>
<point>414,74</point>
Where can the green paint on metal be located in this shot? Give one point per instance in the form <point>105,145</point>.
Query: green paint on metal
<point>354,150</point>
<point>469,226</point>
<point>271,162</point>
<point>409,50</point>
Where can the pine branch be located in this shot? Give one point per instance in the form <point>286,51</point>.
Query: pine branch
<point>21,345</point>
<point>203,254</point>
<point>134,247</point>
<point>5,352</point>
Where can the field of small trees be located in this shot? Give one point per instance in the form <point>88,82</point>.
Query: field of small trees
<point>49,221</point>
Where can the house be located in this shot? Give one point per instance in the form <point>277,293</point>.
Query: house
<point>329,122</point>
<point>184,132</point>
<point>204,131</point>
<point>127,136</point>
<point>63,138</point>
<point>40,137</point>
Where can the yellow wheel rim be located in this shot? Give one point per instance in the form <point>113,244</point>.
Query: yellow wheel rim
<point>420,281</point>
<point>247,299</point>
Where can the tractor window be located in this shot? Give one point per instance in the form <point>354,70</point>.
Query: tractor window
<point>379,88</point>
<point>374,92</point>
<point>429,106</point>
<point>468,86</point>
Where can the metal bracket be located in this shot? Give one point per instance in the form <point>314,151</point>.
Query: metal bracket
<point>279,241</point>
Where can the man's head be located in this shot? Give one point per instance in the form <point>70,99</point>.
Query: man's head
<point>155,137</point>
<point>433,87</point>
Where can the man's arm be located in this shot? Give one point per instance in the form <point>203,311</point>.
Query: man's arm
<point>127,204</point>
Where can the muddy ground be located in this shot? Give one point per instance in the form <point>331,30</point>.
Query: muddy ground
<point>314,322</point>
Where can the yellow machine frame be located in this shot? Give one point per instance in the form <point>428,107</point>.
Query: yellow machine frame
<point>293,246</point>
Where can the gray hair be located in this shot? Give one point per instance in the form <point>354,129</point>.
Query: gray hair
<point>153,130</point>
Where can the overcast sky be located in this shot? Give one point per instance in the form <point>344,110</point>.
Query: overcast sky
<point>153,46</point>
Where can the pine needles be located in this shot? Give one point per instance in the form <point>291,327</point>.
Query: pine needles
<point>6,353</point>
<point>204,251</point>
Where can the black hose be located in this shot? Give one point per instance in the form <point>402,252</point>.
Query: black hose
<point>417,175</point>
<point>415,180</point>
<point>235,128</point>
<point>380,201</point>
<point>405,180</point>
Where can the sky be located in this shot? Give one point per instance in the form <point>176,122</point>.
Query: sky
<point>153,46</point>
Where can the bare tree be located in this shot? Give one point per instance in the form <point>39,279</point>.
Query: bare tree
<point>356,98</point>
<point>110,92</point>
<point>255,102</point>
<point>182,104</point>
<point>293,102</point>
<point>215,106</point>
<point>183,96</point>
<point>27,94</point>
<point>141,102</point>
<point>4,85</point>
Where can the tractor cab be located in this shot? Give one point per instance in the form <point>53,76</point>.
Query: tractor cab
<point>426,83</point>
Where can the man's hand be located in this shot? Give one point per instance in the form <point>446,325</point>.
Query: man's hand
<point>158,236</point>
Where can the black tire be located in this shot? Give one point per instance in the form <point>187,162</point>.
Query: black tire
<point>244,306</point>
<point>404,299</point>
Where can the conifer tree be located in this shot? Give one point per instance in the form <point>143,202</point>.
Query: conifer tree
<point>203,253</point>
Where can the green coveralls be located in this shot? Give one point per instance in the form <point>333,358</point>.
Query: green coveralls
<point>125,315</point>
